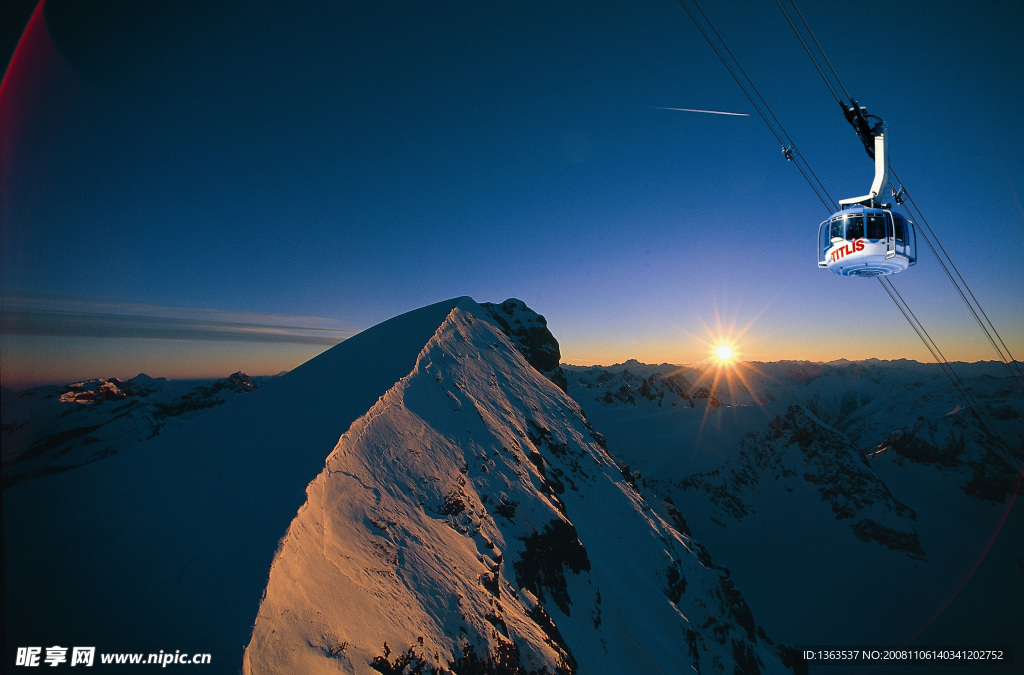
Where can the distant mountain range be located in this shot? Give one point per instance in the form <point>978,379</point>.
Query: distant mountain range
<point>50,429</point>
<point>854,503</point>
<point>439,494</point>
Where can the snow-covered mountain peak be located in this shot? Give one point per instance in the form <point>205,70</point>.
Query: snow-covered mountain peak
<point>93,391</point>
<point>468,513</point>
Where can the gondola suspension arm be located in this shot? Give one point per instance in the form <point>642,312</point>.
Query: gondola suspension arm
<point>881,181</point>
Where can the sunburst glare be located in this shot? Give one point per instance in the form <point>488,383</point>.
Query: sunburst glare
<point>725,374</point>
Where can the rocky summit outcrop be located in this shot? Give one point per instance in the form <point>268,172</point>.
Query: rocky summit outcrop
<point>529,332</point>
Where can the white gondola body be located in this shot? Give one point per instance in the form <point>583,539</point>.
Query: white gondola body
<point>861,241</point>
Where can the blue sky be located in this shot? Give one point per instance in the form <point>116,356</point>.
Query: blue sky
<point>329,165</point>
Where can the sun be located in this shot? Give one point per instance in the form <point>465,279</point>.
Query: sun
<point>725,372</point>
<point>725,354</point>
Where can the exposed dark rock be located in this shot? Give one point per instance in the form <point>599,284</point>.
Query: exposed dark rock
<point>541,568</point>
<point>502,660</point>
<point>678,521</point>
<point>530,335</point>
<point>914,446</point>
<point>453,504</point>
<point>793,659</point>
<point>737,606</point>
<point>992,479</point>
<point>869,530</point>
<point>204,396</point>
<point>406,663</point>
<point>943,444</point>
<point>675,583</point>
<point>48,443</point>
<point>554,639</point>
<point>507,509</point>
<point>747,662</point>
<point>627,474</point>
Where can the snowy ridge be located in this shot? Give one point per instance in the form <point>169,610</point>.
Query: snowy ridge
<point>468,505</point>
<point>471,521</point>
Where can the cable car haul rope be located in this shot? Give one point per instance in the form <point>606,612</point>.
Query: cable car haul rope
<point>864,236</point>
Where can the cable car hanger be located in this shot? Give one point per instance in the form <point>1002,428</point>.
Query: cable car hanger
<point>876,142</point>
<point>858,116</point>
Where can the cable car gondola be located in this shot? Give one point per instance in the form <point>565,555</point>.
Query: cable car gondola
<point>866,238</point>
<point>862,241</point>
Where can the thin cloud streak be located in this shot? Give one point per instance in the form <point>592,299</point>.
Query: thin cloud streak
<point>711,112</point>
<point>82,318</point>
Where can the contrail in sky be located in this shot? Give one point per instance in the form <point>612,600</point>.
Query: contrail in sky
<point>712,112</point>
